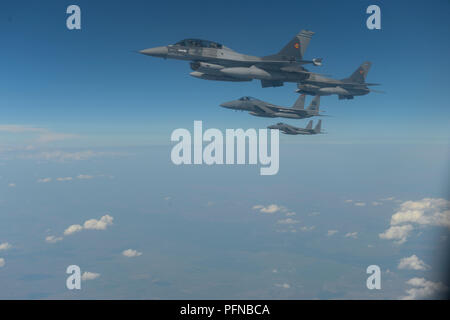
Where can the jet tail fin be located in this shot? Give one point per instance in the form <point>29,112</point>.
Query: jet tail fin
<point>296,48</point>
<point>300,103</point>
<point>359,76</point>
<point>318,127</point>
<point>309,125</point>
<point>314,105</point>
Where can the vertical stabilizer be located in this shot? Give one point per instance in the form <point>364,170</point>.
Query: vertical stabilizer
<point>296,48</point>
<point>314,105</point>
<point>359,76</point>
<point>318,127</point>
<point>300,103</point>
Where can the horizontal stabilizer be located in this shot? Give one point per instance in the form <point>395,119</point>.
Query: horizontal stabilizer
<point>377,91</point>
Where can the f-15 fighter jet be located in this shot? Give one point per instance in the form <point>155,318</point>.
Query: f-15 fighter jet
<point>260,108</point>
<point>287,129</point>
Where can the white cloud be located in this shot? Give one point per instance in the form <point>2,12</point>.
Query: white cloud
<point>91,224</point>
<point>387,199</point>
<point>5,246</point>
<point>68,156</point>
<point>167,198</point>
<point>348,201</point>
<point>424,289</point>
<point>73,229</point>
<point>283,285</point>
<point>2,262</point>
<point>360,204</point>
<point>84,176</point>
<point>398,233</point>
<point>53,239</point>
<point>11,185</point>
<point>101,224</point>
<point>306,228</point>
<point>15,128</point>
<point>427,211</point>
<point>353,235</point>
<point>272,208</point>
<point>64,179</point>
<point>413,263</point>
<point>287,221</point>
<point>54,136</point>
<point>130,253</point>
<point>376,203</point>
<point>290,214</point>
<point>44,180</point>
<point>413,214</point>
<point>89,276</point>
<point>43,135</point>
<point>331,232</point>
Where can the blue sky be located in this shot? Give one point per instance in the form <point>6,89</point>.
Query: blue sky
<point>85,132</point>
<point>59,78</point>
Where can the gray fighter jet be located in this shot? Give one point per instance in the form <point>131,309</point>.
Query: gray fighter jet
<point>287,129</point>
<point>260,108</point>
<point>214,61</point>
<point>347,88</point>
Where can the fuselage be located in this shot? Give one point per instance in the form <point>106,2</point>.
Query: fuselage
<point>316,84</point>
<point>213,61</point>
<point>287,129</point>
<point>264,109</point>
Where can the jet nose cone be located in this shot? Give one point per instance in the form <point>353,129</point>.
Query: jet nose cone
<point>227,105</point>
<point>155,52</point>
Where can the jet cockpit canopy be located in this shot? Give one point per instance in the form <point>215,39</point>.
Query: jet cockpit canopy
<point>199,43</point>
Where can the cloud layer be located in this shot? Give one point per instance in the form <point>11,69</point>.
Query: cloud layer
<point>86,276</point>
<point>413,263</point>
<point>130,253</point>
<point>417,214</point>
<point>424,289</point>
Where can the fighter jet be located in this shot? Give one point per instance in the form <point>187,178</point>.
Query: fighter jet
<point>260,108</point>
<point>214,61</point>
<point>347,88</point>
<point>287,129</point>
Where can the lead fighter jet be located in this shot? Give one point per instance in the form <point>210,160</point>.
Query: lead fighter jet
<point>287,129</point>
<point>260,108</point>
<point>214,61</point>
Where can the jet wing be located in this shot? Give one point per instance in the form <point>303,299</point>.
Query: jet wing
<point>290,130</point>
<point>264,109</point>
<point>295,68</point>
<point>354,84</point>
<point>270,109</point>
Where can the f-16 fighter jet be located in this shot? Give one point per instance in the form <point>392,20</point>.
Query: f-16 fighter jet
<point>214,61</point>
<point>287,129</point>
<point>260,108</point>
<point>347,88</point>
